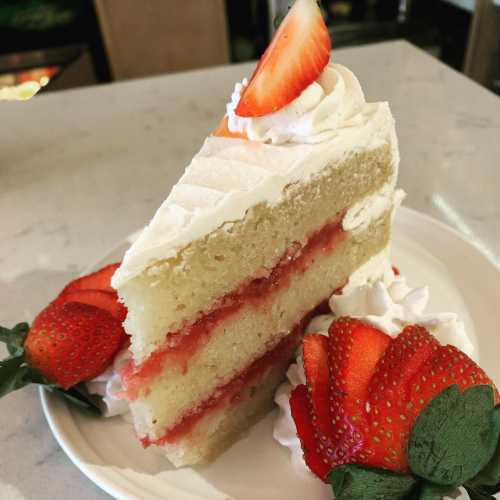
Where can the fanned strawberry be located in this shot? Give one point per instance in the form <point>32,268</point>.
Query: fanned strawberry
<point>377,388</point>
<point>355,349</point>
<point>389,422</point>
<point>305,430</point>
<point>295,58</point>
<point>447,366</point>
<point>72,342</point>
<point>98,298</point>
<point>99,280</point>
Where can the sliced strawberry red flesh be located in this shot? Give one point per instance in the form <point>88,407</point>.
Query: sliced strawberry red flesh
<point>295,58</point>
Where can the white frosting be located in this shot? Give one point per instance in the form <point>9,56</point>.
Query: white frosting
<point>108,385</point>
<point>375,295</point>
<point>229,176</point>
<point>391,307</point>
<point>370,208</point>
<point>332,102</point>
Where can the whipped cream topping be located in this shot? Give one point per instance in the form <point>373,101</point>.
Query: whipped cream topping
<point>108,385</point>
<point>335,100</point>
<point>375,295</point>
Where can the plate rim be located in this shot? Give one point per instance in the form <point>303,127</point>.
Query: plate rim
<point>104,478</point>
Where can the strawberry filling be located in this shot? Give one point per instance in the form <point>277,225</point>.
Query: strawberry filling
<point>230,393</point>
<point>184,343</point>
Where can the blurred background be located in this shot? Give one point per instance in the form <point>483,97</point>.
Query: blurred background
<point>82,42</point>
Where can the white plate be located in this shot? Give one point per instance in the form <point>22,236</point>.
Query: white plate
<point>461,279</point>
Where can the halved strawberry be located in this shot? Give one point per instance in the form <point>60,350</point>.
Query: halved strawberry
<point>305,430</point>
<point>355,348</point>
<point>99,298</point>
<point>446,367</point>
<point>389,422</point>
<point>295,58</point>
<point>99,280</point>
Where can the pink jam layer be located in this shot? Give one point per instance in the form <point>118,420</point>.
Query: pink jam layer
<point>181,345</point>
<point>230,393</point>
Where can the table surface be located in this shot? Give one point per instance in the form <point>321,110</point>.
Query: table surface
<point>82,169</point>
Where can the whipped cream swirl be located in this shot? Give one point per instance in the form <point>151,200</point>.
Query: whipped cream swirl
<point>335,100</point>
<point>108,385</point>
<point>388,304</point>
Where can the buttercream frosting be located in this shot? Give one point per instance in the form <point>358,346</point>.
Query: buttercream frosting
<point>229,176</point>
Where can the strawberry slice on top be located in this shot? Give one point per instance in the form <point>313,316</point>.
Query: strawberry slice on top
<point>294,59</point>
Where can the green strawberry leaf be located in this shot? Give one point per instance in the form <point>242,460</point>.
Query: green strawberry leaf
<point>356,482</point>
<point>431,491</point>
<point>78,396</point>
<point>14,338</point>
<point>453,437</point>
<point>490,475</point>
<point>12,374</point>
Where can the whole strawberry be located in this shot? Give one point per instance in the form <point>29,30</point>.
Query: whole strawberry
<point>72,342</point>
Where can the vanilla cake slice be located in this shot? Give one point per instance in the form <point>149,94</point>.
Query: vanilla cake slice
<point>272,216</point>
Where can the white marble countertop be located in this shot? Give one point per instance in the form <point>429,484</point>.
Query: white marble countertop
<point>80,170</point>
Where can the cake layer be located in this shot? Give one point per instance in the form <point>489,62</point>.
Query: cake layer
<point>280,355</point>
<point>217,428</point>
<point>180,288</point>
<point>242,338</point>
<point>179,347</point>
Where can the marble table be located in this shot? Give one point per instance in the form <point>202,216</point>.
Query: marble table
<point>82,169</point>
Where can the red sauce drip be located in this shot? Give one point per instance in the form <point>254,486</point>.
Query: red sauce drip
<point>396,270</point>
<point>183,344</point>
<point>230,393</point>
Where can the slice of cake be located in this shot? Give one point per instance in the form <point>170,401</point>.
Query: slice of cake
<point>291,196</point>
